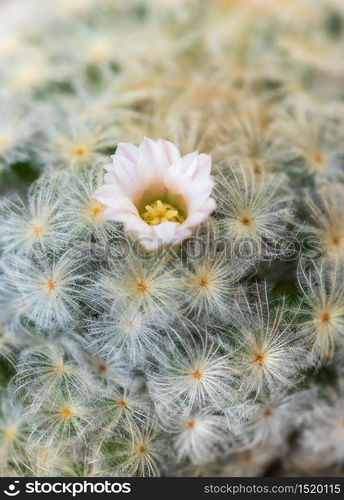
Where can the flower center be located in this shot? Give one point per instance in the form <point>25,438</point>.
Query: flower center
<point>158,212</point>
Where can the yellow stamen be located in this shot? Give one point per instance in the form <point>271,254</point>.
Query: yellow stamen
<point>336,240</point>
<point>318,158</point>
<point>259,358</point>
<point>102,368</point>
<point>37,231</point>
<point>96,209</point>
<point>80,151</point>
<point>191,425</point>
<point>333,238</point>
<point>204,283</point>
<point>60,369</point>
<point>141,449</point>
<point>10,433</point>
<point>197,375</point>
<point>246,221</point>
<point>122,403</point>
<point>325,317</point>
<point>52,285</point>
<point>67,412</point>
<point>158,212</point>
<point>3,143</point>
<point>142,288</point>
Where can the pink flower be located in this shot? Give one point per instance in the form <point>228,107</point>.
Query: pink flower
<point>159,195</point>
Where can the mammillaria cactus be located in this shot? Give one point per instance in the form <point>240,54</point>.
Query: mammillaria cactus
<point>171,237</point>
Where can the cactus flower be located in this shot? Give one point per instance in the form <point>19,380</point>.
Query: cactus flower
<point>158,195</point>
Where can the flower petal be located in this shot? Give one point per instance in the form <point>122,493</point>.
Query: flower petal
<point>128,151</point>
<point>204,166</point>
<point>171,151</point>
